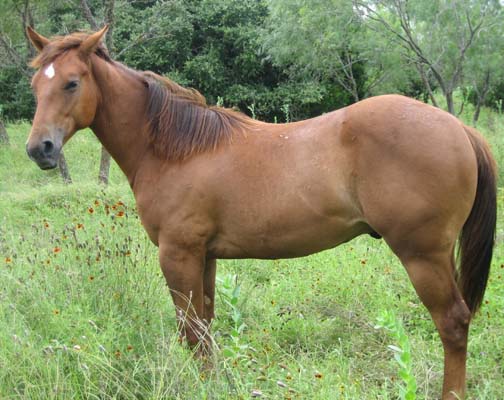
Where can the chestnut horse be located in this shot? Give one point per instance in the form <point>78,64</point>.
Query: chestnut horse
<point>212,183</point>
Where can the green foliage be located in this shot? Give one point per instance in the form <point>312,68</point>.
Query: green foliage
<point>330,43</point>
<point>316,56</point>
<point>317,39</point>
<point>236,350</point>
<point>215,46</point>
<point>16,98</point>
<point>156,38</point>
<point>402,353</point>
<point>227,59</point>
<point>445,41</point>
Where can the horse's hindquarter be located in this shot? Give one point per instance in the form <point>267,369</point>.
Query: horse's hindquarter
<point>283,191</point>
<point>416,170</point>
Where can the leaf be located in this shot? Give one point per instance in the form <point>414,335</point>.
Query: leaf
<point>236,291</point>
<point>410,396</point>
<point>395,348</point>
<point>397,357</point>
<point>404,375</point>
<point>227,352</point>
<point>406,357</point>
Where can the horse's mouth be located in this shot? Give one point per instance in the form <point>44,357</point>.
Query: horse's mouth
<point>45,155</point>
<point>47,165</point>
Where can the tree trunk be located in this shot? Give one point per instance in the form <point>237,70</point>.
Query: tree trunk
<point>27,20</point>
<point>4,139</point>
<point>481,96</point>
<point>103,175</point>
<point>109,19</point>
<point>63,167</point>
<point>86,11</point>
<point>449,102</point>
<point>465,96</point>
<point>477,113</point>
<point>426,83</point>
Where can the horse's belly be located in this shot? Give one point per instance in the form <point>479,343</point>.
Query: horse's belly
<point>298,241</point>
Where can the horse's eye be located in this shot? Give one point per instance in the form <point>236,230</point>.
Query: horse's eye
<point>72,85</point>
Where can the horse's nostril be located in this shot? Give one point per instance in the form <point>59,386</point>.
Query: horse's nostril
<point>48,147</point>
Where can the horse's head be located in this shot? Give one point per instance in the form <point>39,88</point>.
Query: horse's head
<point>67,95</point>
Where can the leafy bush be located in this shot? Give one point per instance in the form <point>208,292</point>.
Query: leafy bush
<point>16,99</point>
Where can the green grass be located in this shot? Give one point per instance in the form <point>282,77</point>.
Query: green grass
<point>84,311</point>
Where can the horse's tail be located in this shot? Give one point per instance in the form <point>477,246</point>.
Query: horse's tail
<point>478,233</point>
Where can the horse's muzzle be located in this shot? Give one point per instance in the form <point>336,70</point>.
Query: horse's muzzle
<point>46,153</point>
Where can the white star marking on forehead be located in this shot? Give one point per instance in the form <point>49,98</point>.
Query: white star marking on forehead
<point>49,71</point>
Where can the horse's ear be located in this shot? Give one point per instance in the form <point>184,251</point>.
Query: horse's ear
<point>38,41</point>
<point>89,45</point>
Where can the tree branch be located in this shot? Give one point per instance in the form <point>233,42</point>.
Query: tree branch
<point>86,11</point>
<point>426,83</point>
<point>17,58</point>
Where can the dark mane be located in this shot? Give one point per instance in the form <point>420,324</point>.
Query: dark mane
<point>61,44</point>
<point>182,124</point>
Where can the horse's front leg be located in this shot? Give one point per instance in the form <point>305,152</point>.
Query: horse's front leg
<point>184,271</point>
<point>209,290</point>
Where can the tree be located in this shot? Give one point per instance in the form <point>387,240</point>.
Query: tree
<point>4,139</point>
<point>328,41</point>
<point>16,99</point>
<point>484,65</point>
<point>310,56</point>
<point>104,171</point>
<point>321,39</point>
<point>436,36</point>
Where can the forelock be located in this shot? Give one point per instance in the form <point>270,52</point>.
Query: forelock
<point>61,44</point>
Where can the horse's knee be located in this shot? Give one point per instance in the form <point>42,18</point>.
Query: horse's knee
<point>193,337</point>
<point>208,310</point>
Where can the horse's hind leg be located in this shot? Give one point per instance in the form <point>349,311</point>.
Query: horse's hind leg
<point>432,275</point>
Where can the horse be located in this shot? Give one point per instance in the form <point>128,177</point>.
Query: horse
<point>211,183</point>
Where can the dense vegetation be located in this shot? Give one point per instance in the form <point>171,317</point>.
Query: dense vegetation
<point>284,59</point>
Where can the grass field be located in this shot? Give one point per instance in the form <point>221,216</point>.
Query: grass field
<point>84,312</point>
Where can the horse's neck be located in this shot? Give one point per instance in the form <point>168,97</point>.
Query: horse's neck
<point>120,118</point>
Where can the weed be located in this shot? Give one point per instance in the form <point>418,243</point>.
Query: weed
<point>252,109</point>
<point>229,292</point>
<point>402,353</point>
<point>286,111</point>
